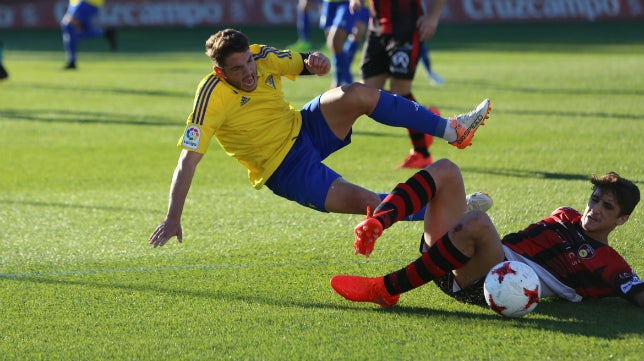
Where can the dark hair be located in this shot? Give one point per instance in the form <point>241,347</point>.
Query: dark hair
<point>625,191</point>
<point>223,43</point>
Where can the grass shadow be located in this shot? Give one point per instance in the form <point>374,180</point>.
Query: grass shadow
<point>590,319</point>
<point>85,117</point>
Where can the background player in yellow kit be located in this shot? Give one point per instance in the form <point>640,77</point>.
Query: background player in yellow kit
<point>241,103</point>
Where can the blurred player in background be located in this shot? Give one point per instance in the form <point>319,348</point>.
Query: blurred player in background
<point>242,105</point>
<point>3,71</point>
<point>396,32</point>
<point>77,24</point>
<point>568,250</point>
<point>434,78</point>
<point>303,21</point>
<point>344,30</point>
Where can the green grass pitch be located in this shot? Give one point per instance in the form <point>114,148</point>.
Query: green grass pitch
<point>87,158</point>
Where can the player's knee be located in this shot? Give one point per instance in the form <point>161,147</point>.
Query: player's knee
<point>361,95</point>
<point>444,165</point>
<point>478,223</point>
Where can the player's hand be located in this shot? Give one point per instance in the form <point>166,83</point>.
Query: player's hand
<point>426,27</point>
<point>355,6</point>
<point>166,230</point>
<point>317,63</point>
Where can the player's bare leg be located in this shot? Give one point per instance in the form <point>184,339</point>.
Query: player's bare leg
<point>475,236</point>
<point>439,187</point>
<point>345,197</point>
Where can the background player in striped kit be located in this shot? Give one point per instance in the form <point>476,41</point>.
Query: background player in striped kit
<point>392,50</point>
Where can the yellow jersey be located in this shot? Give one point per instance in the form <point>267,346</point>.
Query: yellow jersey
<point>257,128</point>
<point>97,3</point>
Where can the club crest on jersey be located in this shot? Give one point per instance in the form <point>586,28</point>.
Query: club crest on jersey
<point>400,61</point>
<point>244,100</point>
<point>191,137</point>
<point>270,81</point>
<point>585,251</point>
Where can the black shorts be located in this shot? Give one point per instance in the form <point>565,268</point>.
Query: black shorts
<point>395,55</point>
<point>471,294</point>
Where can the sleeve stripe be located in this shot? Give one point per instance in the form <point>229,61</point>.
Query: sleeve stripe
<point>265,50</point>
<point>199,112</point>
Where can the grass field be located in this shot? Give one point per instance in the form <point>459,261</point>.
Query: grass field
<point>87,159</point>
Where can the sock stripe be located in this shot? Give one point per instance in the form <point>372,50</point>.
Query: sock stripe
<point>419,190</point>
<point>413,275</point>
<point>430,268</point>
<point>437,257</point>
<point>406,199</point>
<point>428,182</point>
<point>450,252</point>
<point>442,257</point>
<point>409,201</point>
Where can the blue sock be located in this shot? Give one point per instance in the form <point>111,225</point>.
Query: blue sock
<point>350,48</point>
<point>342,74</point>
<point>303,25</point>
<point>399,112</point>
<point>424,58</point>
<point>346,70</point>
<point>418,216</point>
<point>70,41</point>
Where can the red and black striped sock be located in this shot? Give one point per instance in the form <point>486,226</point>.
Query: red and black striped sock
<point>407,198</point>
<point>442,257</point>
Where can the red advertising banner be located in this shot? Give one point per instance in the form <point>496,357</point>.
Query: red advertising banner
<point>190,13</point>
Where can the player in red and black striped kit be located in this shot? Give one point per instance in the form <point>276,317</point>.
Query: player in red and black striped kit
<point>397,28</point>
<point>559,246</point>
<point>569,250</point>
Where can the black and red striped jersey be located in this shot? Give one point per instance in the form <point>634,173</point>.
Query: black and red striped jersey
<point>394,16</point>
<point>559,245</point>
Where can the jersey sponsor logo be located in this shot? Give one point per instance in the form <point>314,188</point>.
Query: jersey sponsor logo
<point>191,137</point>
<point>626,287</point>
<point>270,81</point>
<point>244,100</point>
<point>585,251</point>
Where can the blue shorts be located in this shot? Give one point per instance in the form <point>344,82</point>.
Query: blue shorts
<point>337,14</point>
<point>363,15</point>
<point>83,12</point>
<point>302,177</point>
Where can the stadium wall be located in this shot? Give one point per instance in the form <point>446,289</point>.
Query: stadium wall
<point>190,13</point>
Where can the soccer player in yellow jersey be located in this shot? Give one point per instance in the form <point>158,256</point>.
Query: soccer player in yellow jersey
<point>78,24</point>
<point>242,105</point>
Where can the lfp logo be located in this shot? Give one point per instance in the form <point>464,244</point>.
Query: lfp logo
<point>191,137</point>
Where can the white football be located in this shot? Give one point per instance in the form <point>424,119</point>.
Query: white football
<point>512,289</point>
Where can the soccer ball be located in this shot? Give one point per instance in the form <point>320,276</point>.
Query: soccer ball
<point>512,289</point>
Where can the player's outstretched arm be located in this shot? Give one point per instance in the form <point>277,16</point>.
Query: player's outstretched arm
<point>181,180</point>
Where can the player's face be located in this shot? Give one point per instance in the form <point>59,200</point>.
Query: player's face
<point>601,215</point>
<point>240,71</point>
